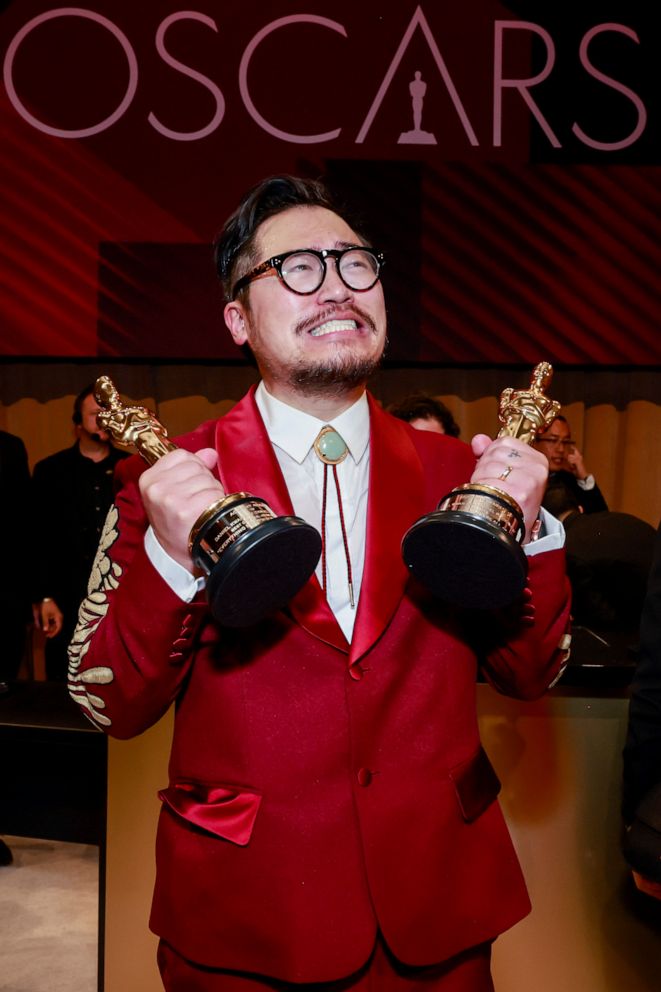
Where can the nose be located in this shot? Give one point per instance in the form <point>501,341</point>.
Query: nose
<point>332,288</point>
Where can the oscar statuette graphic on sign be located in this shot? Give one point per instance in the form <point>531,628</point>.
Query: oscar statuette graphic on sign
<point>254,561</point>
<point>468,551</point>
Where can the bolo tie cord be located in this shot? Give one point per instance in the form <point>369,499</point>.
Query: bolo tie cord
<point>330,441</point>
<point>344,533</point>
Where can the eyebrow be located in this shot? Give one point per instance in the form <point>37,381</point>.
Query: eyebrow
<point>343,244</point>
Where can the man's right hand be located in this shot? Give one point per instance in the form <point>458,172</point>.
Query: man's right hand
<point>47,617</point>
<point>175,491</point>
<point>576,464</point>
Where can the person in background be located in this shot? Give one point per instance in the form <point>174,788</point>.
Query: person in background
<point>563,456</point>
<point>72,490</point>
<point>331,820</point>
<point>15,522</point>
<point>425,414</point>
<point>15,558</point>
<point>641,801</point>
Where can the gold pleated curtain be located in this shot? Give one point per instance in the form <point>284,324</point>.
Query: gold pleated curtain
<point>614,415</point>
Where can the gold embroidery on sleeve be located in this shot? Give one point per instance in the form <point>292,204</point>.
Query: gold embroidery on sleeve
<point>104,577</point>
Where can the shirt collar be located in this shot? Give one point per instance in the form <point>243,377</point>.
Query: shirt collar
<point>295,431</point>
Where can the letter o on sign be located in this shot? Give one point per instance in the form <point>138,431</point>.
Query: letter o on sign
<point>91,15</point>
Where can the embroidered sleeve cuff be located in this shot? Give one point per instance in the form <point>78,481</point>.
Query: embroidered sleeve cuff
<point>185,585</point>
<point>551,535</point>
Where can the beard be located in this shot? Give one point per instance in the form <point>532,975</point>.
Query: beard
<point>333,375</point>
<point>99,437</point>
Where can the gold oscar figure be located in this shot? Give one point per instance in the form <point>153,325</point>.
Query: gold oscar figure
<point>468,551</point>
<point>255,561</point>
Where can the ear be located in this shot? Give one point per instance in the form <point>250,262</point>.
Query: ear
<point>235,318</point>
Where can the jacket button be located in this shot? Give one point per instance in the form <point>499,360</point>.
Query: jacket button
<point>356,673</point>
<point>364,776</point>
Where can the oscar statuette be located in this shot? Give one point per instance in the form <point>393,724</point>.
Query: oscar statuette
<point>255,561</point>
<point>468,551</point>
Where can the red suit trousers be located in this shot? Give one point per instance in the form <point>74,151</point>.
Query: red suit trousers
<point>467,972</point>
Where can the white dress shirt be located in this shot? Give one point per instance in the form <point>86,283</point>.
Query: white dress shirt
<point>292,433</point>
<point>587,483</point>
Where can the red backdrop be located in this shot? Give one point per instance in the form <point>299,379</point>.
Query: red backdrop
<point>517,198</point>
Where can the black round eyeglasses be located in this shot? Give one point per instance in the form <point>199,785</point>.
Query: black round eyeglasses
<point>304,269</point>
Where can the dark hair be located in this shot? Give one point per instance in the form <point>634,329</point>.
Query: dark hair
<point>558,416</point>
<point>77,415</point>
<point>560,496</point>
<point>234,246</point>
<point>419,406</point>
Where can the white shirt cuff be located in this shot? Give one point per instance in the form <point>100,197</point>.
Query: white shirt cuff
<point>180,580</point>
<point>587,483</point>
<point>551,535</point>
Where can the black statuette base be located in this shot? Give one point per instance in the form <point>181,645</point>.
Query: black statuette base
<point>465,560</point>
<point>256,562</point>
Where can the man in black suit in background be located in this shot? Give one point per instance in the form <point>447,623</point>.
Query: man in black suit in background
<point>74,487</point>
<point>14,553</point>
<point>564,457</point>
<point>15,527</point>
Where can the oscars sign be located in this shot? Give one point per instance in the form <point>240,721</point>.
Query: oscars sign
<point>468,551</point>
<point>255,561</point>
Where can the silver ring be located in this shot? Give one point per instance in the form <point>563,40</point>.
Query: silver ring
<point>507,471</point>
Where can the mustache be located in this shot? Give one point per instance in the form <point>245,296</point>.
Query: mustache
<point>306,324</point>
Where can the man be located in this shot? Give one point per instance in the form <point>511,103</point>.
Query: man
<point>563,456</point>
<point>14,592</point>
<point>73,490</point>
<point>331,817</point>
<point>609,555</point>
<point>425,413</point>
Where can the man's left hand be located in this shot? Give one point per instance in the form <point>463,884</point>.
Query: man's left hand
<point>514,467</point>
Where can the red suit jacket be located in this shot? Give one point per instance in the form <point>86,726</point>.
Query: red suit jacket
<point>318,789</point>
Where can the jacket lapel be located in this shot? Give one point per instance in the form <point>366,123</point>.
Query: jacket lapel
<point>396,500</point>
<point>248,463</point>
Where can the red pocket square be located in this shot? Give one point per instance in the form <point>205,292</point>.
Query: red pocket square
<point>225,811</point>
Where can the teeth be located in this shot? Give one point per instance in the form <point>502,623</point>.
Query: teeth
<point>333,325</point>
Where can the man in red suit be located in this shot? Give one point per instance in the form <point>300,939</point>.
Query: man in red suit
<point>331,819</point>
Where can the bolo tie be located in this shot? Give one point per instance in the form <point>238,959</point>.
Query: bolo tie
<point>332,449</point>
